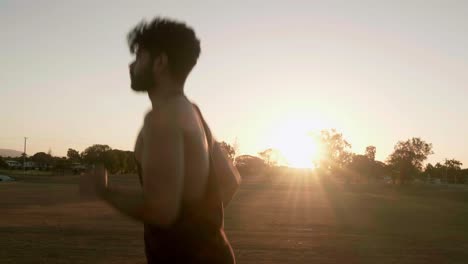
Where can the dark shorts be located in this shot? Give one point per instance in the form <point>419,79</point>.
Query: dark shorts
<point>193,248</point>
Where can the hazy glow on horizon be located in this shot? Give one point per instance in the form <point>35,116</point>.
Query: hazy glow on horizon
<point>269,73</point>
<point>295,144</point>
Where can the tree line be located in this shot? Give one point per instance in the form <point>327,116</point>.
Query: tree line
<point>403,165</point>
<point>115,160</point>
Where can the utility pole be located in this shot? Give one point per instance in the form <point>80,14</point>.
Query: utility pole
<point>24,156</point>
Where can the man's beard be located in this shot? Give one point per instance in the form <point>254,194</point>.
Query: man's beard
<point>142,82</point>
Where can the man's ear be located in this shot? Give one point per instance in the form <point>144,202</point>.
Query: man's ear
<point>160,64</point>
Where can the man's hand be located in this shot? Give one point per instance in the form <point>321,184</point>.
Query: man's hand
<point>93,183</point>
<point>100,179</point>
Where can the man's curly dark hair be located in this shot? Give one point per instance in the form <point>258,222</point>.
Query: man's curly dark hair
<point>177,40</point>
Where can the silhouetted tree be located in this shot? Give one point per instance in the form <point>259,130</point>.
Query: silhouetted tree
<point>408,157</point>
<point>269,156</point>
<point>130,162</point>
<point>120,161</point>
<point>429,172</point>
<point>247,164</point>
<point>230,151</point>
<point>361,167</point>
<point>95,154</point>
<point>464,175</point>
<point>73,155</point>
<point>20,158</point>
<point>116,161</point>
<point>453,169</point>
<point>449,171</point>
<point>60,164</point>
<point>370,152</point>
<point>380,170</point>
<point>112,161</point>
<point>43,159</point>
<point>335,151</point>
<point>440,171</point>
<point>3,164</point>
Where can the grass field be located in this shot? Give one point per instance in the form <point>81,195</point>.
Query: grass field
<point>294,219</point>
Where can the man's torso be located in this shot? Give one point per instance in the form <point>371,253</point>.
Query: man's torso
<point>196,155</point>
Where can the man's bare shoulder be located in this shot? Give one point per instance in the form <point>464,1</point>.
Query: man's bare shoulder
<point>176,113</point>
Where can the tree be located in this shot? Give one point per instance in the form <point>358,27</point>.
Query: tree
<point>439,171</point>
<point>247,164</point>
<point>116,161</point>
<point>429,172</point>
<point>453,169</point>
<point>335,151</point>
<point>230,150</point>
<point>408,157</point>
<point>112,161</point>
<point>370,152</point>
<point>464,175</point>
<point>43,159</point>
<point>449,171</point>
<point>380,170</point>
<point>61,163</point>
<point>120,161</point>
<point>21,158</point>
<point>361,166</point>
<point>270,156</point>
<point>130,161</point>
<point>95,154</point>
<point>364,167</point>
<point>73,155</point>
<point>3,164</point>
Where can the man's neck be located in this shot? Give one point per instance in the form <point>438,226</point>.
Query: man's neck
<point>166,91</point>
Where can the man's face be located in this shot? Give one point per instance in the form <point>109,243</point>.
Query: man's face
<point>141,72</point>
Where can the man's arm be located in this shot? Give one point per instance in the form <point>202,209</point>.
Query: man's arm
<point>129,203</point>
<point>162,173</point>
<point>163,168</point>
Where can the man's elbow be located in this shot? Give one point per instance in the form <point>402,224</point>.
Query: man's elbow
<point>239,180</point>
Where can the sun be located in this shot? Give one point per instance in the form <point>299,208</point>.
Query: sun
<point>297,147</point>
<point>298,151</point>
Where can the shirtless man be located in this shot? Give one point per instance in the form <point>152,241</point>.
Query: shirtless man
<point>181,168</point>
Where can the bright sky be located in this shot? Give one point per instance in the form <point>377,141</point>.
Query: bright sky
<point>378,72</point>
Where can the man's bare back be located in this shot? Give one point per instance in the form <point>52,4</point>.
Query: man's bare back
<point>196,155</point>
<point>191,226</point>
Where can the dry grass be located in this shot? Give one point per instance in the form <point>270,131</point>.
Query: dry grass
<point>294,219</point>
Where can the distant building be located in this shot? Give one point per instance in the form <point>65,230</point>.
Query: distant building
<point>78,168</point>
<point>13,164</point>
<point>30,165</point>
<point>37,165</point>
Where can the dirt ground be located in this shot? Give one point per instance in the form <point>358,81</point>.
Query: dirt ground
<point>291,219</point>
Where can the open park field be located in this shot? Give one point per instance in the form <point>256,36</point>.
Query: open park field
<point>290,219</point>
